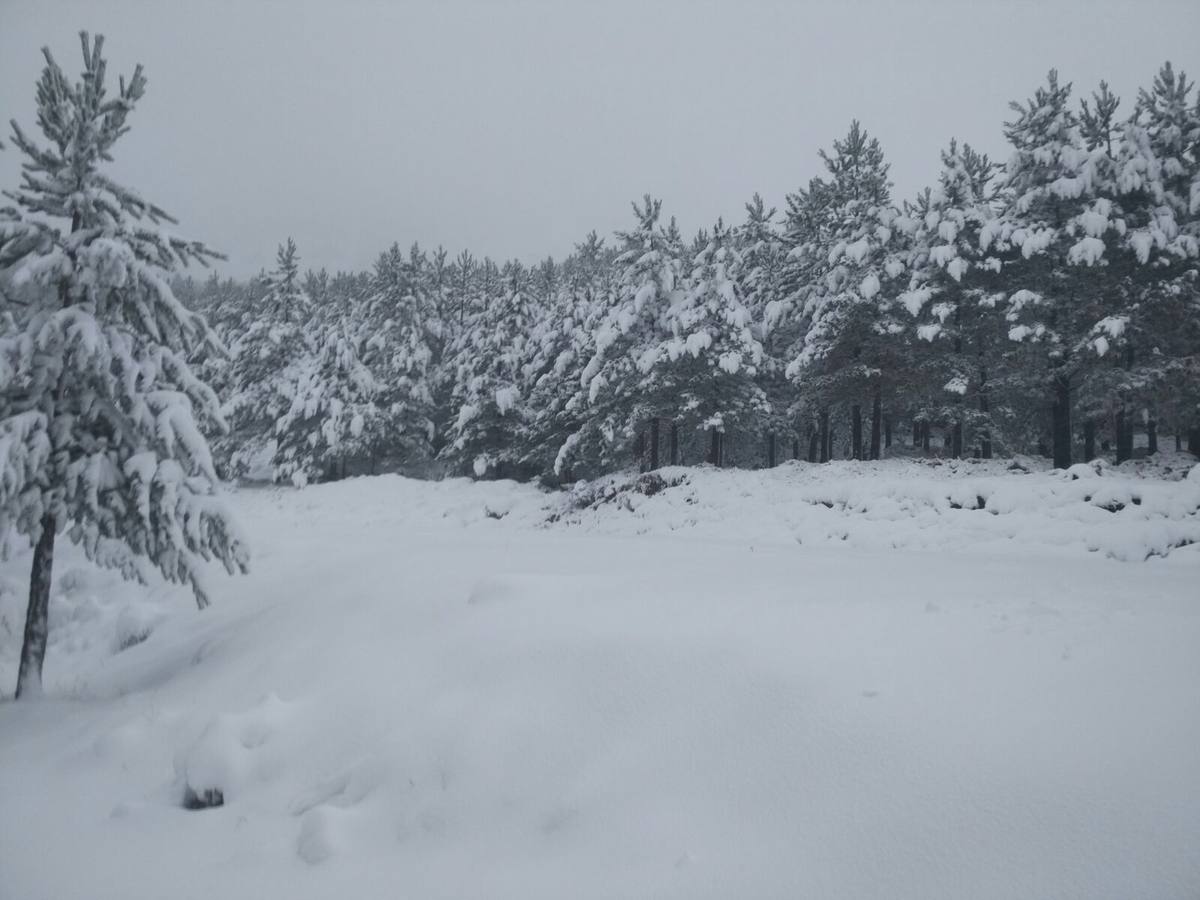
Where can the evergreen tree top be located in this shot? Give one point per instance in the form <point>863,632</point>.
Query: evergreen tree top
<point>857,168</point>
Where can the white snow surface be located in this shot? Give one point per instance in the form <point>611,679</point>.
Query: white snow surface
<point>713,685</point>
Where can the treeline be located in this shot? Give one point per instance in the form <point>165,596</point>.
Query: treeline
<point>1049,304</point>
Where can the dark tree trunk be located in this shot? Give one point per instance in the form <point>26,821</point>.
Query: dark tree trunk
<point>1122,427</point>
<point>674,443</point>
<point>1194,441</point>
<point>639,451</point>
<point>856,432</point>
<point>1089,440</point>
<point>916,434</point>
<point>1061,435</point>
<point>37,617</point>
<point>654,443</point>
<point>1178,440</point>
<point>887,432</point>
<point>925,437</point>
<point>714,447</point>
<point>814,451</point>
<point>795,448</point>
<point>771,450</point>
<point>1125,418</point>
<point>824,435</point>
<point>985,407</point>
<point>876,423</point>
<point>956,440</point>
<point>1151,437</point>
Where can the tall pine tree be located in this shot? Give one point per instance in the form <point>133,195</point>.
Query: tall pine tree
<point>99,437</point>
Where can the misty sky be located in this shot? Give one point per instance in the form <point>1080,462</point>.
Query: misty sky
<point>514,128</point>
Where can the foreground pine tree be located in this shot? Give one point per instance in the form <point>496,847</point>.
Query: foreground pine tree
<point>98,412</point>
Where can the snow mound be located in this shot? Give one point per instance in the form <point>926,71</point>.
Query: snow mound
<point>1123,513</point>
<point>231,754</point>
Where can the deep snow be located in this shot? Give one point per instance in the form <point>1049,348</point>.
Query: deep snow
<point>837,682</point>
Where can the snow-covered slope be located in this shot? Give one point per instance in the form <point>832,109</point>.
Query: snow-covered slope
<point>721,688</point>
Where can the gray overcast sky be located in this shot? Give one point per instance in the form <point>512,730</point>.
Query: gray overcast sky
<point>513,128</point>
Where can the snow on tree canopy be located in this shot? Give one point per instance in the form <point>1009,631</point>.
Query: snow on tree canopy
<point>99,431</point>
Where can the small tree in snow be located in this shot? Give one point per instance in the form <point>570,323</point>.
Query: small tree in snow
<point>98,435</point>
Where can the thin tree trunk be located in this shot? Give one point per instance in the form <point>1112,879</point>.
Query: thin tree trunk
<point>639,451</point>
<point>887,433</point>
<point>37,617</point>
<point>1178,440</point>
<point>771,450</point>
<point>985,407</point>
<point>856,445</point>
<point>813,449</point>
<point>956,440</point>
<point>1151,437</point>
<point>714,447</point>
<point>1061,438</point>
<point>674,443</point>
<point>796,447</point>
<point>654,443</point>
<point>1125,418</point>
<point>1089,440</point>
<point>925,437</point>
<point>876,422</point>
<point>1122,427</point>
<point>823,433</point>
<point>916,442</point>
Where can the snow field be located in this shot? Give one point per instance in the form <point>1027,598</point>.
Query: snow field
<point>430,689</point>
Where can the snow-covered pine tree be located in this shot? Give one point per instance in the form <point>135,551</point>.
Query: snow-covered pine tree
<point>807,226</point>
<point>709,357</point>
<point>1079,238</point>
<point>1048,181</point>
<point>99,437</point>
<point>624,394</point>
<point>333,416</point>
<point>952,301</point>
<point>271,352</point>
<point>853,263</point>
<point>762,252</point>
<point>402,338</point>
<point>561,430</point>
<point>1160,166</point>
<point>489,381</point>
<point>549,354</point>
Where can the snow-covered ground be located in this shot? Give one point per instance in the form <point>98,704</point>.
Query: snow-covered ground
<point>853,681</point>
